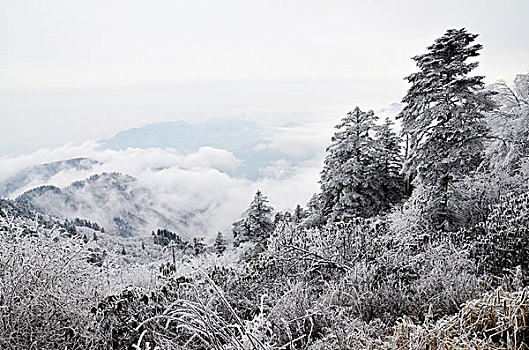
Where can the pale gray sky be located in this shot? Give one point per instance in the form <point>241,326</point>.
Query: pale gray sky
<point>72,70</point>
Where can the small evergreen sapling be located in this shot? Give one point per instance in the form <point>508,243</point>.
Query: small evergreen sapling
<point>258,224</point>
<point>220,244</point>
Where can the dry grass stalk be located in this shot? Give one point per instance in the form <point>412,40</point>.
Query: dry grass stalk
<point>499,320</point>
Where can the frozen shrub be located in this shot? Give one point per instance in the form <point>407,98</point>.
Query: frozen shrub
<point>181,314</point>
<point>502,242</point>
<point>46,289</point>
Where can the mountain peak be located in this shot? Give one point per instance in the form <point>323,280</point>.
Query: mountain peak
<point>38,174</point>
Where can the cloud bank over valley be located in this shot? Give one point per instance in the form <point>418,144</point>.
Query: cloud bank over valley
<point>204,175</point>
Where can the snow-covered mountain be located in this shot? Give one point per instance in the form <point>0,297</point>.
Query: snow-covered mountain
<point>115,201</point>
<point>39,174</point>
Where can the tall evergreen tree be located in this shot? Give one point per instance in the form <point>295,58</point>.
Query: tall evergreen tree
<point>388,164</point>
<point>443,117</point>
<point>346,178</point>
<point>258,224</point>
<point>510,126</point>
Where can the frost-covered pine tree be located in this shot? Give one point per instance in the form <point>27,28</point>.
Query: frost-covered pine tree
<point>299,214</point>
<point>443,117</point>
<point>219,246</point>
<point>197,245</point>
<point>510,126</point>
<point>347,188</point>
<point>388,165</point>
<point>258,224</point>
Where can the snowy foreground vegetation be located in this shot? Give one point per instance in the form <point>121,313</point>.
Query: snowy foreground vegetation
<point>425,247</point>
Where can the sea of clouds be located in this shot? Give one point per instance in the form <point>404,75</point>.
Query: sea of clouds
<point>205,180</point>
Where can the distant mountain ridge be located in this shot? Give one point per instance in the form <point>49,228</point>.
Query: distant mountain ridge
<point>41,173</point>
<point>235,135</point>
<point>116,201</point>
<point>228,134</point>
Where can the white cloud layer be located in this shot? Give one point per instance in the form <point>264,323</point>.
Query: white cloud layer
<point>197,182</point>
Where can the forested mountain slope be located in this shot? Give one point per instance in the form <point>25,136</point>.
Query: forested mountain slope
<point>115,201</point>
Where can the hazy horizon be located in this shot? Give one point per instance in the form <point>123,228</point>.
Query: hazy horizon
<point>76,71</point>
